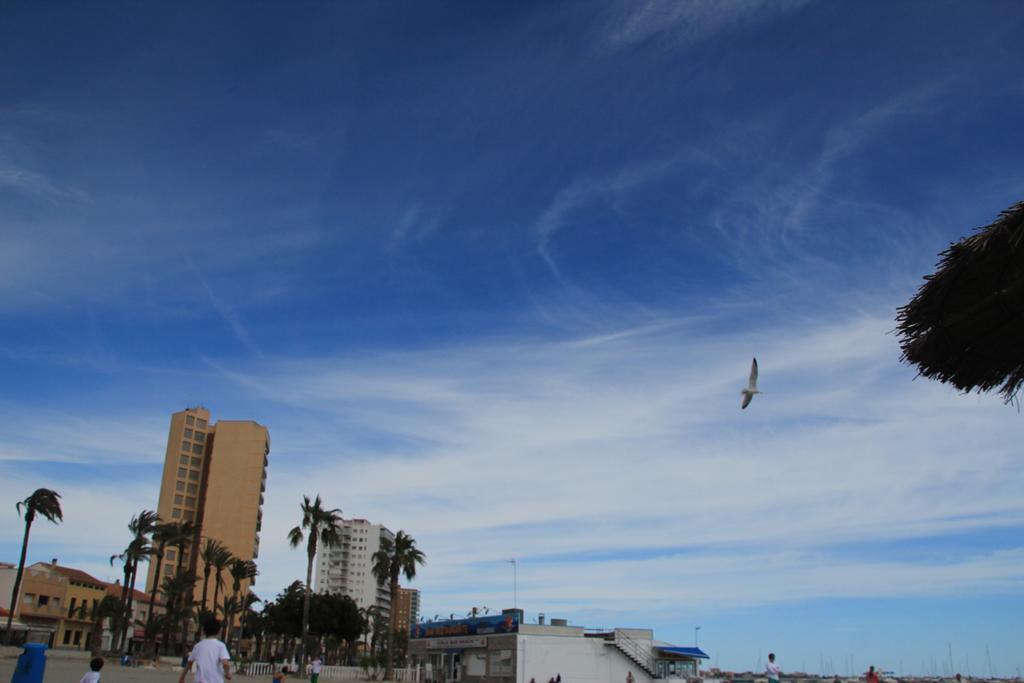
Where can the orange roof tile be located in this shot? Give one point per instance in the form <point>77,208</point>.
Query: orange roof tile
<point>79,575</point>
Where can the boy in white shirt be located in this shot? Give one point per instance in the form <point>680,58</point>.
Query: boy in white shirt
<point>209,656</point>
<point>773,670</point>
<point>93,675</point>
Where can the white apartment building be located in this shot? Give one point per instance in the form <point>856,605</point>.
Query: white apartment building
<point>348,567</point>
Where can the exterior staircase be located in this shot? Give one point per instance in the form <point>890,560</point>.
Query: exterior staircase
<point>635,652</point>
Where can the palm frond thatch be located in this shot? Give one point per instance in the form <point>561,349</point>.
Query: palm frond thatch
<point>965,325</point>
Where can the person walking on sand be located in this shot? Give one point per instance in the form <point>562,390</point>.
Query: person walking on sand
<point>773,670</point>
<point>93,674</point>
<point>209,657</point>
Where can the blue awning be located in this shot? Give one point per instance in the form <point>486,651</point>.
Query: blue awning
<point>694,652</point>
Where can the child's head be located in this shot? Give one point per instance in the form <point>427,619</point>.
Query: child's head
<point>211,626</point>
<point>96,663</point>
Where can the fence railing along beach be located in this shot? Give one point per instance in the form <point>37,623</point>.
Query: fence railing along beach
<point>340,673</point>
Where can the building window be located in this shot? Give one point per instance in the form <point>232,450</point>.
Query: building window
<point>67,637</point>
<point>182,472</point>
<point>189,515</point>
<point>201,423</point>
<point>188,433</point>
<point>200,437</point>
<point>78,637</point>
<point>171,555</point>
<point>179,486</point>
<point>178,499</point>
<point>195,461</point>
<point>193,475</point>
<point>176,513</point>
<point>197,448</point>
<point>185,445</point>
<point>189,420</point>
<point>190,501</point>
<point>183,459</point>
<point>71,607</point>
<point>169,570</point>
<point>43,600</point>
<point>192,488</point>
<point>29,598</point>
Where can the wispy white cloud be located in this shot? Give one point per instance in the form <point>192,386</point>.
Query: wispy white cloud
<point>38,185</point>
<point>584,191</point>
<point>685,24</point>
<point>633,442</point>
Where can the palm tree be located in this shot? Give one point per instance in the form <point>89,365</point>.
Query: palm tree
<point>221,561</point>
<point>322,527</point>
<point>367,615</point>
<point>137,551</point>
<point>248,601</point>
<point>184,535</point>
<point>231,608</point>
<point>394,558</point>
<point>164,533</point>
<point>178,610</point>
<point>42,502</point>
<point>240,570</point>
<point>210,550</point>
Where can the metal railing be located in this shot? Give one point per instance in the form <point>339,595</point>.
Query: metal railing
<point>637,652</point>
<point>343,673</point>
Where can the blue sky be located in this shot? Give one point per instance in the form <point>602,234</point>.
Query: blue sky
<point>493,273</point>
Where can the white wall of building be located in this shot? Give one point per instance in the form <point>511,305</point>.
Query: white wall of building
<point>576,659</point>
<point>348,567</point>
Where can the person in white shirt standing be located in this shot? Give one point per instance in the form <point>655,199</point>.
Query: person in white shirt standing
<point>773,670</point>
<point>209,656</point>
<point>317,663</point>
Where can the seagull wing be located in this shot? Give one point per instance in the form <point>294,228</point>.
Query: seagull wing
<point>747,398</point>
<point>753,374</point>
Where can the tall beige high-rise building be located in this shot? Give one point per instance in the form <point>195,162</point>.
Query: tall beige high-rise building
<point>214,476</point>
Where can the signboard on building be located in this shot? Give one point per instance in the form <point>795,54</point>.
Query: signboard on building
<point>475,626</point>
<point>456,642</point>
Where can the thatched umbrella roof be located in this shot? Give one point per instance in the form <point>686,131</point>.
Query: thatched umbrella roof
<point>965,326</point>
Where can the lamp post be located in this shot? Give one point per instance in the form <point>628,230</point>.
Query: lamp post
<point>695,630</point>
<point>515,581</point>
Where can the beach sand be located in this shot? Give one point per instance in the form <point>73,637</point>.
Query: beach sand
<point>65,667</point>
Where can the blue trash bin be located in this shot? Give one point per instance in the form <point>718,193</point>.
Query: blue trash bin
<point>31,664</point>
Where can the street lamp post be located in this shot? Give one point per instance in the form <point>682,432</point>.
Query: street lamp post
<point>515,582</point>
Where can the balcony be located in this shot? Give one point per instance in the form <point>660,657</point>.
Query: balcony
<point>52,610</point>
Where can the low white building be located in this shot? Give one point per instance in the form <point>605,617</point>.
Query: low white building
<point>503,649</point>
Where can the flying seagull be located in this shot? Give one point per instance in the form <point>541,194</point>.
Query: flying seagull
<point>748,393</point>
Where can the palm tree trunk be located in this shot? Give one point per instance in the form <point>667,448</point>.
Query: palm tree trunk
<point>216,592</point>
<point>390,670</point>
<point>150,637</point>
<point>131,596</point>
<point>305,611</point>
<point>117,623</point>
<point>206,585</point>
<point>17,579</point>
